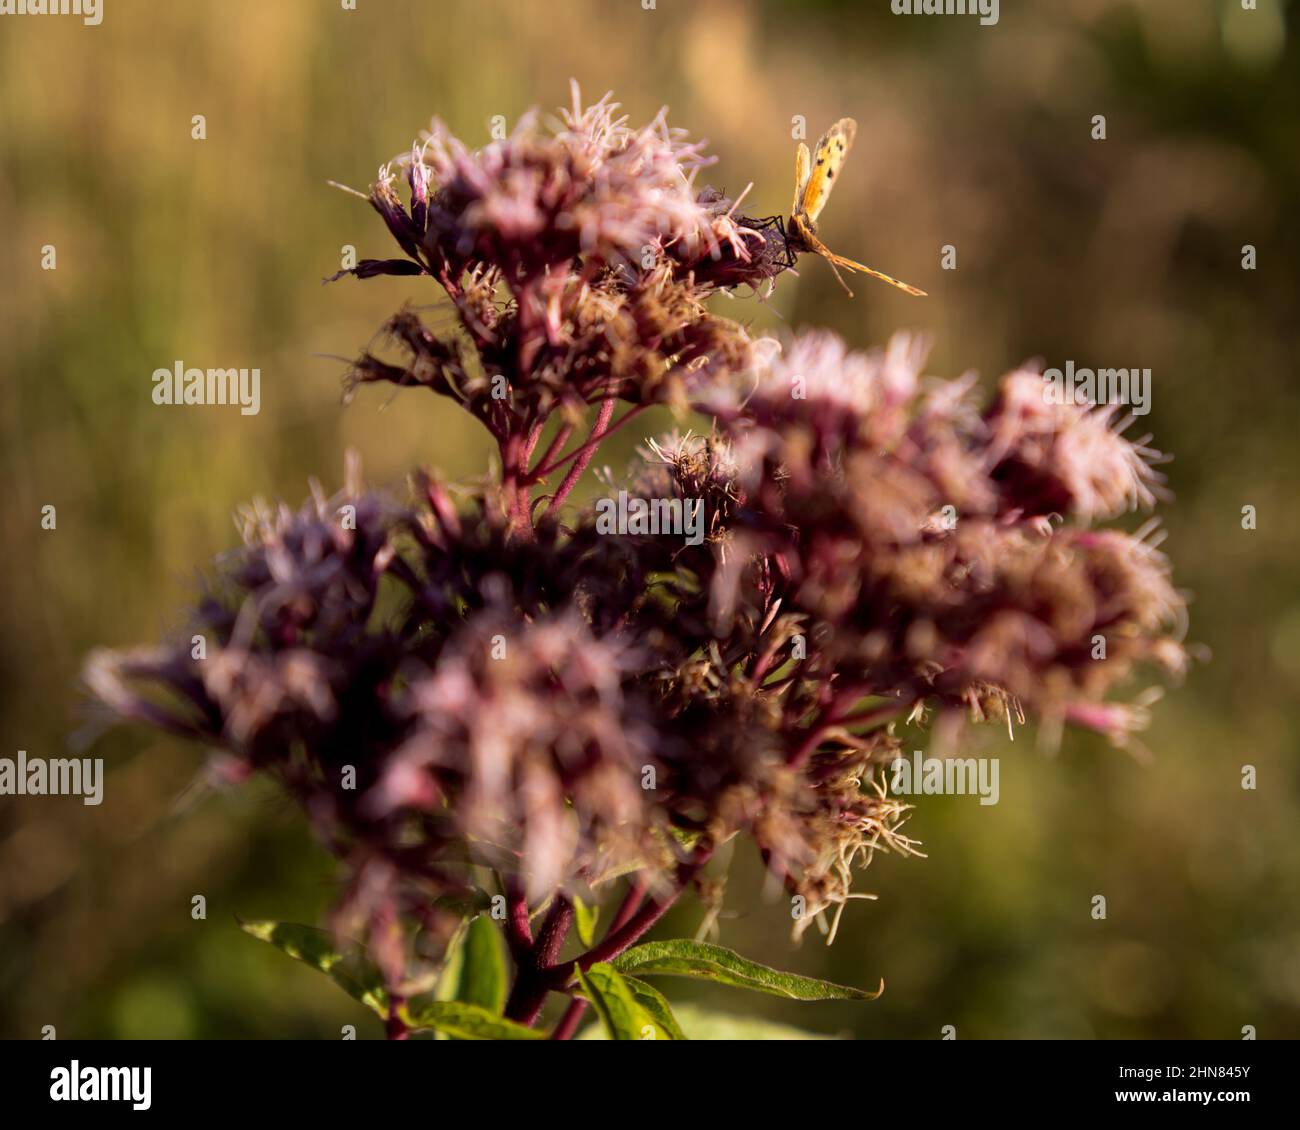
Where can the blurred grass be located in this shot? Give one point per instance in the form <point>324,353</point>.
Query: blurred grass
<point>1122,252</point>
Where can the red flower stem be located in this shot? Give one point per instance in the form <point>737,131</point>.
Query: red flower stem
<point>568,1025</point>
<point>534,434</point>
<point>519,934</point>
<point>557,443</point>
<point>617,941</point>
<point>395,1026</point>
<point>567,1028</point>
<point>511,445</point>
<point>591,444</point>
<point>584,454</point>
<point>833,716</point>
<point>515,482</point>
<point>528,994</point>
<point>763,662</point>
<point>810,743</point>
<point>630,904</point>
<point>550,938</point>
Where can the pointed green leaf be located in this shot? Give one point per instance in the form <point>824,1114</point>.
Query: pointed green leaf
<point>483,967</point>
<point>653,1002</point>
<point>626,1014</point>
<point>685,958</point>
<point>584,921</point>
<point>465,1022</point>
<point>352,973</point>
<point>704,1024</point>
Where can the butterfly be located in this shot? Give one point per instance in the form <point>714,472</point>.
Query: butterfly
<point>813,180</point>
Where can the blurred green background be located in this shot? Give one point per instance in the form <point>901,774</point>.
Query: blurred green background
<point>1123,252</point>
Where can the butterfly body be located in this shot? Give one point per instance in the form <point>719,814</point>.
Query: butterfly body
<point>814,177</point>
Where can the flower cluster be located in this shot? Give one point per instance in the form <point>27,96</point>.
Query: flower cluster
<point>489,691</point>
<point>578,259</point>
<point>942,552</point>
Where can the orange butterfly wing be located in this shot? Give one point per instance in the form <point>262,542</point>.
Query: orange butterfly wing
<point>827,162</point>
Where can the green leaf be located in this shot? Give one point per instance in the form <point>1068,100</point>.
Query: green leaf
<point>684,958</point>
<point>352,973</point>
<point>584,921</point>
<point>483,967</point>
<point>704,1024</point>
<point>653,1002</point>
<point>465,1022</point>
<point>626,1013</point>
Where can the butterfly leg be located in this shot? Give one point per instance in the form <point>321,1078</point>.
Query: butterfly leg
<point>840,277</point>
